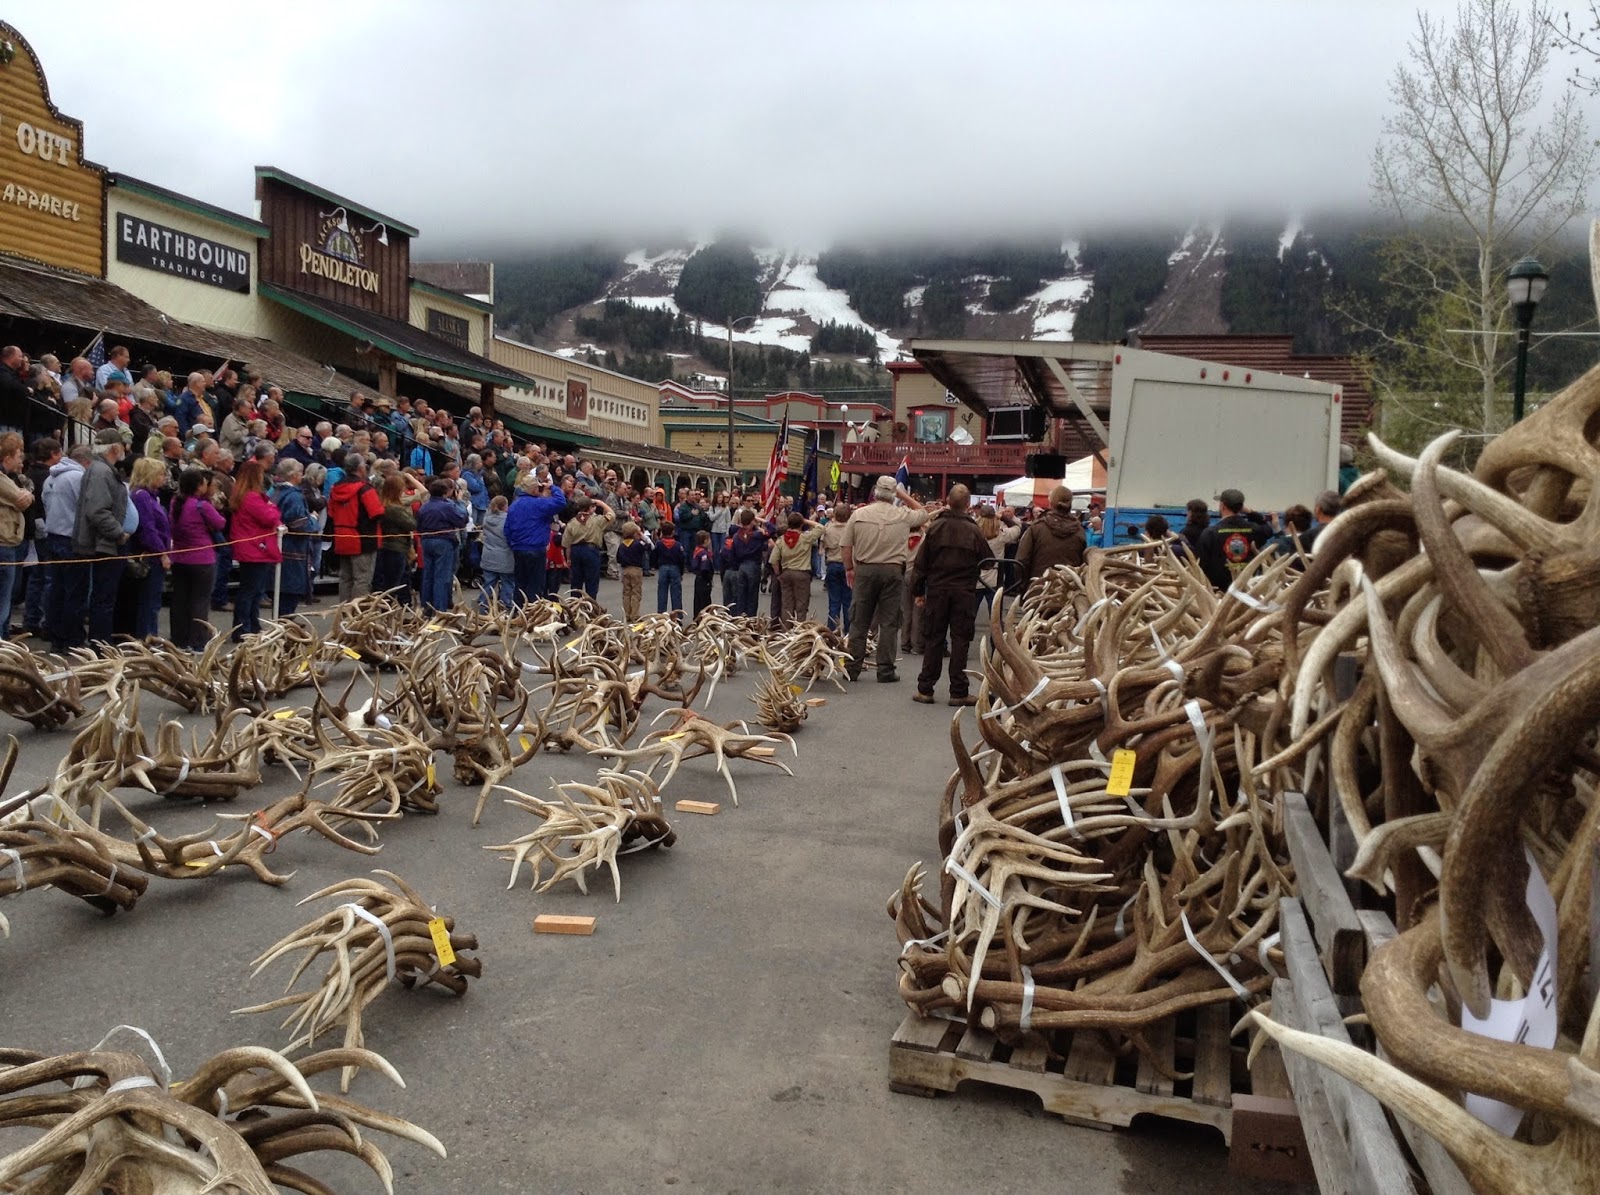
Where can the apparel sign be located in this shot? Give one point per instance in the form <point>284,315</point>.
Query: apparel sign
<point>154,246</point>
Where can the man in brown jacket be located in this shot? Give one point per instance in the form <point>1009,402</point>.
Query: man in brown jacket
<point>946,587</point>
<point>1057,538</point>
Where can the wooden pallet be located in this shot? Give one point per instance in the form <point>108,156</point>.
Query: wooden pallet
<point>1356,1147</point>
<point>1084,1082</point>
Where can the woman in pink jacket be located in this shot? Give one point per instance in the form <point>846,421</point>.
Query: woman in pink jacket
<point>254,531</point>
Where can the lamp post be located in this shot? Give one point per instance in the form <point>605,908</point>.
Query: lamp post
<point>734,469</point>
<point>1525,285</point>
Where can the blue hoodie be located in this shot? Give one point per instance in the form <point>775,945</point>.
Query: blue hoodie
<point>528,521</point>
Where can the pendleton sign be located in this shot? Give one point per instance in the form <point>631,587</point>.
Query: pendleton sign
<point>330,247</point>
<point>52,202</point>
<point>154,246</point>
<point>339,259</point>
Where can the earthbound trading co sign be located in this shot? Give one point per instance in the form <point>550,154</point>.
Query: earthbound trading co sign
<point>172,251</point>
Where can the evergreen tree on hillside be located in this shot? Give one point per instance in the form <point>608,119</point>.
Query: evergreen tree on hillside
<point>531,290</point>
<point>1129,272</point>
<point>720,283</point>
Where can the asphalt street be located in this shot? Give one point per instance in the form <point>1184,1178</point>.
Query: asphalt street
<point>725,1029</point>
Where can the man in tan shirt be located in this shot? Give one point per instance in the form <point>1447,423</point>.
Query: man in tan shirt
<point>584,538</point>
<point>875,551</point>
<point>791,562</point>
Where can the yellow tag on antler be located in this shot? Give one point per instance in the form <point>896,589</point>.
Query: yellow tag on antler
<point>352,653</point>
<point>441,942</point>
<point>797,688</point>
<point>430,775</point>
<point>283,715</point>
<point>1121,781</point>
<point>669,738</point>
<point>525,742</point>
<point>432,626</point>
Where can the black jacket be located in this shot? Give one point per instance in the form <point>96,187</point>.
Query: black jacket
<point>1230,544</point>
<point>949,553</point>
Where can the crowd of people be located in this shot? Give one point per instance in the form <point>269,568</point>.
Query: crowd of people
<point>123,493</point>
<point>121,496</point>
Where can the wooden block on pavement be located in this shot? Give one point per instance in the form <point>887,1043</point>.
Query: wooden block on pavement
<point>706,807</point>
<point>552,923</point>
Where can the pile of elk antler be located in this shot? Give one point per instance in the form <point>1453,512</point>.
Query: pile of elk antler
<point>1068,901</point>
<point>106,1120</point>
<point>1465,757</point>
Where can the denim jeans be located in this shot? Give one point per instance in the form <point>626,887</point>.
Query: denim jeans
<point>749,588</point>
<point>105,577</point>
<point>529,574</point>
<point>389,575</point>
<point>255,583</point>
<point>439,556</point>
<point>502,586</point>
<point>717,538</point>
<point>39,587</point>
<point>669,588</point>
<point>586,569</point>
<point>147,619</point>
<point>219,587</point>
<point>9,570</point>
<point>840,596</point>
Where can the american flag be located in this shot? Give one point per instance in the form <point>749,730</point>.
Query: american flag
<point>902,475</point>
<point>777,472</point>
<point>96,352</point>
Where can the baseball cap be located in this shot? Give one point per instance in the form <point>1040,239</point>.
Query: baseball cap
<point>885,487</point>
<point>108,435</point>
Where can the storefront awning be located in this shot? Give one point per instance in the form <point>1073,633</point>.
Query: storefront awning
<point>93,306</point>
<point>651,456</point>
<point>397,338</point>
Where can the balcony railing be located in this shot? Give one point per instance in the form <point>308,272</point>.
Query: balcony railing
<point>935,458</point>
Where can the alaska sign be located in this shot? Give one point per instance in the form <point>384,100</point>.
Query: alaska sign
<point>52,202</point>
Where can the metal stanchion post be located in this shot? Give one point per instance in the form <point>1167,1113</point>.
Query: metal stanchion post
<point>277,574</point>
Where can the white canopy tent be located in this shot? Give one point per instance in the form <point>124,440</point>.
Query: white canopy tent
<point>1035,491</point>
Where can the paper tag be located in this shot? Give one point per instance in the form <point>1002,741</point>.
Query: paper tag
<point>670,737</point>
<point>525,742</point>
<point>1121,782</point>
<point>441,942</point>
<point>796,689</point>
<point>282,715</point>
<point>305,666</point>
<point>351,653</point>
<point>432,626</point>
<point>197,862</point>
<point>430,775</point>
<point>1530,1021</point>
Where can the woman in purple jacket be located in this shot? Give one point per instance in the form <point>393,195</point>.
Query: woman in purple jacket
<point>153,541</point>
<point>195,522</point>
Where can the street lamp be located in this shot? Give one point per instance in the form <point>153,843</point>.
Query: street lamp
<point>1525,285</point>
<point>742,319</point>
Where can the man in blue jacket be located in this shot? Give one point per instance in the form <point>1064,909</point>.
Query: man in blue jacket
<point>528,532</point>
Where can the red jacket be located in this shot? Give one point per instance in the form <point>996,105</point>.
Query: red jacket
<point>346,503</point>
<point>255,527</point>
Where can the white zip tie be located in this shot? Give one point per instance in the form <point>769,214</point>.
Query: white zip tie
<point>933,941</point>
<point>216,849</point>
<point>1093,606</point>
<point>161,1059</point>
<point>1105,697</point>
<point>641,846</point>
<point>130,1083</point>
<point>183,774</point>
<point>388,938</point>
<point>1262,947</point>
<point>56,676</point>
<point>1001,710</point>
<point>15,860</point>
<point>1025,1021</point>
<point>961,873</point>
<point>1122,912</point>
<point>1060,782</point>
<point>1239,989</point>
<point>1098,755</point>
<point>149,833</point>
<point>111,878</point>
<point>263,831</point>
<point>1251,600</point>
<point>1176,669</point>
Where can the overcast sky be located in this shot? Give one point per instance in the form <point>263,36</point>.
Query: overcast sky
<point>492,123</point>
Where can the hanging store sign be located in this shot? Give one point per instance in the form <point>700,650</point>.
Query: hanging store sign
<point>451,328</point>
<point>171,251</point>
<point>577,400</point>
<point>339,254</point>
<point>52,202</point>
